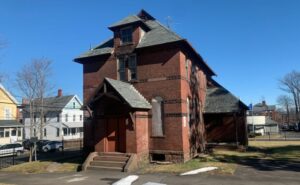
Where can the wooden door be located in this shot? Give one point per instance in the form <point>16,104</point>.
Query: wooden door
<point>116,135</point>
<point>112,139</point>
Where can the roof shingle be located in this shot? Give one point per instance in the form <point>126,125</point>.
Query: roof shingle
<point>129,94</point>
<point>220,100</point>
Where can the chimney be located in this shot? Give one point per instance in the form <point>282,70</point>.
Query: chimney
<point>25,101</point>
<point>59,93</point>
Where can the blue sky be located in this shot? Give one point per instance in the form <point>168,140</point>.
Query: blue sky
<point>249,44</point>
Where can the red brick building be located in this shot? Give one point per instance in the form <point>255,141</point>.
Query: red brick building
<point>145,91</point>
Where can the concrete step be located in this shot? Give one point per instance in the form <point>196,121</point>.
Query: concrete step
<point>115,154</point>
<point>111,158</point>
<point>108,163</point>
<point>105,168</point>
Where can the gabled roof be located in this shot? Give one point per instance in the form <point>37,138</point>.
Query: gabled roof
<point>52,104</point>
<point>129,94</point>
<point>220,100</point>
<point>8,94</point>
<point>10,123</point>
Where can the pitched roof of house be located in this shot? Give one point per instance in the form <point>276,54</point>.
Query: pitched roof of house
<point>129,94</point>
<point>52,104</point>
<point>220,100</point>
<point>10,123</point>
<point>127,20</point>
<point>156,35</point>
<point>8,94</point>
<point>259,107</point>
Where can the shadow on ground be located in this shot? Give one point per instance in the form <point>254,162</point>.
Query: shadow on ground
<point>285,158</point>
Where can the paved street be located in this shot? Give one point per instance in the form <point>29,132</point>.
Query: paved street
<point>243,175</point>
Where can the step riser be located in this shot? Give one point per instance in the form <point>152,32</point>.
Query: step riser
<point>104,158</point>
<point>113,154</point>
<point>104,168</point>
<point>107,164</point>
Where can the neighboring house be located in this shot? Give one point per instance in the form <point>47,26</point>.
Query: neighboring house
<point>10,128</point>
<point>63,118</point>
<point>262,109</point>
<point>262,125</point>
<point>145,91</point>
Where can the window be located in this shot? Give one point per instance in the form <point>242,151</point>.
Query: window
<point>6,133</point>
<point>19,132</point>
<point>57,117</point>
<point>80,129</point>
<point>74,117</point>
<point>66,117</point>
<point>74,105</point>
<point>45,132</point>
<point>80,117</point>
<point>34,132</point>
<point>57,132</point>
<point>73,131</point>
<point>34,117</point>
<point>126,35</point>
<point>121,68</point>
<point>132,67</point>
<point>157,116</point>
<point>14,132</point>
<point>45,119</point>
<point>7,113</point>
<point>65,130</point>
<point>1,132</point>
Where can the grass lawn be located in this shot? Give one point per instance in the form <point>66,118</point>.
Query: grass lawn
<point>42,167</point>
<point>223,168</point>
<point>227,160</point>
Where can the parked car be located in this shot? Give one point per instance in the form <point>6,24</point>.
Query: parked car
<point>11,149</point>
<point>26,144</point>
<point>52,145</point>
<point>40,144</point>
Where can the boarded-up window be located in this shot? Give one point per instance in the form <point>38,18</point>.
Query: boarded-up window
<point>157,116</point>
<point>188,111</point>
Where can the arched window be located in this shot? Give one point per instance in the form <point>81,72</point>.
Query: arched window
<point>157,116</point>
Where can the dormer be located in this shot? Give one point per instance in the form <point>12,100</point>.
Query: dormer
<point>129,31</point>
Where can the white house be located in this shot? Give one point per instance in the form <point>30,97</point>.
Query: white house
<point>262,124</point>
<point>63,118</point>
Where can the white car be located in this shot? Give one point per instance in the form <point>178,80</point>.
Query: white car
<point>11,149</point>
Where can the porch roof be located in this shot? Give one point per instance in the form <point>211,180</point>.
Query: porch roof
<point>10,123</point>
<point>129,94</point>
<point>220,100</point>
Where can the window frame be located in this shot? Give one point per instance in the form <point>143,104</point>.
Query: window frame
<point>121,71</point>
<point>126,37</point>
<point>132,67</point>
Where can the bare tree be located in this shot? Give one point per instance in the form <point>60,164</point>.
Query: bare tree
<point>286,102</point>
<point>33,82</point>
<point>42,68</point>
<point>291,83</point>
